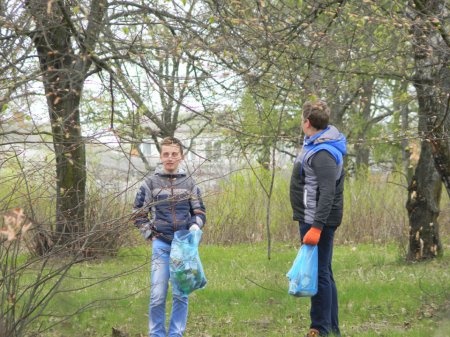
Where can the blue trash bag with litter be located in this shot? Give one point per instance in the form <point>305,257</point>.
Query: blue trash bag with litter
<point>186,271</point>
<point>303,275</point>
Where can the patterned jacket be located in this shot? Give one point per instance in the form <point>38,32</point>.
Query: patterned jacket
<point>173,202</point>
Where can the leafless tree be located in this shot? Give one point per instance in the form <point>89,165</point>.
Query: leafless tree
<point>431,47</point>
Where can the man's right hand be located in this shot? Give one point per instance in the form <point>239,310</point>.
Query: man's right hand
<point>312,236</point>
<point>145,231</point>
<point>194,227</point>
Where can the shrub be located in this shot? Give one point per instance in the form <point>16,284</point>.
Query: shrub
<point>374,210</point>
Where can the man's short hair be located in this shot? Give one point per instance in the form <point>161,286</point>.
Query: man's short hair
<point>318,114</point>
<point>172,141</point>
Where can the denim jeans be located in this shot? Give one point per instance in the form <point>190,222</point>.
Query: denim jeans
<point>158,293</point>
<point>324,305</point>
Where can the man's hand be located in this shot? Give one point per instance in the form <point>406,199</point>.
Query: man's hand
<point>145,231</point>
<point>194,227</point>
<point>312,236</point>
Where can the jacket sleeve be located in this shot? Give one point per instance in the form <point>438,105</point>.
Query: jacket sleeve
<point>141,210</point>
<point>324,166</point>
<point>198,210</point>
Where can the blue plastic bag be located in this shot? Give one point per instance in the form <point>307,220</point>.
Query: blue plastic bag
<point>186,271</point>
<point>303,275</point>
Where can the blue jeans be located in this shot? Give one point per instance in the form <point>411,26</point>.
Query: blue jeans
<point>158,293</point>
<point>324,305</point>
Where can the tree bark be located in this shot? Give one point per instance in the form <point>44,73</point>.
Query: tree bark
<point>63,76</point>
<point>423,208</point>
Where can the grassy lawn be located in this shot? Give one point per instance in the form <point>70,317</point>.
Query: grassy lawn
<point>246,295</point>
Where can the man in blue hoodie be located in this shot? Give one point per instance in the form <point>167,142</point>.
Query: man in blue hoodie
<point>316,194</point>
<point>173,201</point>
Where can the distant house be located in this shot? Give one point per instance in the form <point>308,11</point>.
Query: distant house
<point>113,165</point>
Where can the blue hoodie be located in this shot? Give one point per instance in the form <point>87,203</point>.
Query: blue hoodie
<point>330,140</point>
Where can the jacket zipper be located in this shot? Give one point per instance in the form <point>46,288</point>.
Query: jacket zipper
<point>172,207</point>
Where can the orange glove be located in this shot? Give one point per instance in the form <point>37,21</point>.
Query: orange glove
<point>312,236</point>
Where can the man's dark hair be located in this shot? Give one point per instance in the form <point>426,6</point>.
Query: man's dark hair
<point>318,114</point>
<point>172,141</point>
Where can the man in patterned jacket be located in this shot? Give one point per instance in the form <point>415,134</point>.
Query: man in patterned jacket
<point>173,201</point>
<point>316,194</point>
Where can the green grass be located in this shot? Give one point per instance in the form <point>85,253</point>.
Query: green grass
<point>246,295</point>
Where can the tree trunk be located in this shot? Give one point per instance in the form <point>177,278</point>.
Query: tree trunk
<point>63,75</point>
<point>423,208</point>
<point>362,151</point>
<point>432,61</point>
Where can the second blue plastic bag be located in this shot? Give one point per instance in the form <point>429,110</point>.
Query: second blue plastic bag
<point>303,275</point>
<point>186,271</point>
